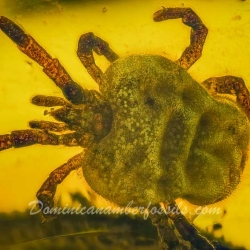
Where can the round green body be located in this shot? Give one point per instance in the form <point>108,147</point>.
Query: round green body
<point>169,137</point>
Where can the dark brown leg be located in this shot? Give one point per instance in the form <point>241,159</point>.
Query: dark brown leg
<point>24,138</point>
<point>198,33</point>
<point>230,85</point>
<point>51,66</point>
<point>49,126</point>
<point>168,238</point>
<point>86,44</point>
<point>28,137</point>
<point>91,123</point>
<point>187,231</point>
<point>49,101</point>
<point>171,221</point>
<point>46,193</point>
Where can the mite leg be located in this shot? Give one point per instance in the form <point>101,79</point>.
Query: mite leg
<point>86,44</point>
<point>198,33</point>
<point>46,193</point>
<point>49,101</point>
<point>186,230</point>
<point>168,237</point>
<point>49,126</point>
<point>51,66</point>
<point>94,99</point>
<point>230,85</point>
<point>175,232</point>
<point>24,138</point>
<point>28,137</point>
<point>90,123</point>
<point>82,137</point>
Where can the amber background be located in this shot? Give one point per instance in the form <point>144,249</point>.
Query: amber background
<point>129,28</point>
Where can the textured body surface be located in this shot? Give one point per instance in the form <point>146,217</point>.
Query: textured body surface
<point>151,134</point>
<point>169,138</point>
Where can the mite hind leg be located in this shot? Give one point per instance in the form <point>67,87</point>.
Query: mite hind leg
<point>230,85</point>
<point>174,230</point>
<point>198,33</point>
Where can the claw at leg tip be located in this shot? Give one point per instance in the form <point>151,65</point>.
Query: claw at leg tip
<point>159,15</point>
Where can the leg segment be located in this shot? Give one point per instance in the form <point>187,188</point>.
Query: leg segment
<point>46,193</point>
<point>86,44</point>
<point>49,101</point>
<point>92,122</point>
<point>28,137</point>
<point>168,238</point>
<point>230,85</point>
<point>24,138</point>
<point>170,220</point>
<point>51,66</point>
<point>187,230</point>
<point>49,126</point>
<point>198,33</point>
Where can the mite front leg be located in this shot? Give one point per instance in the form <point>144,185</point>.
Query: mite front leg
<point>230,85</point>
<point>49,126</point>
<point>86,44</point>
<point>51,66</point>
<point>46,193</point>
<point>49,101</point>
<point>198,33</point>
